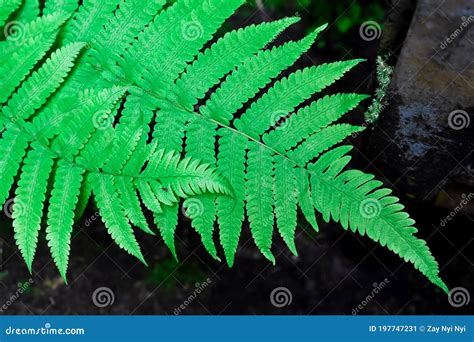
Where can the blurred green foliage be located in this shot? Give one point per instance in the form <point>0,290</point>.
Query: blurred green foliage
<point>169,274</point>
<point>342,15</point>
<point>345,14</point>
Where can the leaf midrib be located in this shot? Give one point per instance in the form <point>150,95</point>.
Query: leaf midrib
<point>235,131</point>
<point>30,138</point>
<point>330,184</point>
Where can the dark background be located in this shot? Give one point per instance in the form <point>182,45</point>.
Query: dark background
<point>336,270</point>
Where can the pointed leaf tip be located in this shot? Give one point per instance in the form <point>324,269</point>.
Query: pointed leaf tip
<point>269,255</point>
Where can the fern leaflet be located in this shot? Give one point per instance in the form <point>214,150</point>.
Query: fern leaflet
<point>127,70</point>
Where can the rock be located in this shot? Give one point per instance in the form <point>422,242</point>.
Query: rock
<point>424,139</point>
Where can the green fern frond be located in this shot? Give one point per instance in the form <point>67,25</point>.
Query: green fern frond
<point>178,33</point>
<point>203,206</point>
<point>62,204</point>
<point>88,20</point>
<point>357,202</point>
<point>13,145</point>
<point>29,10</point>
<point>285,199</point>
<point>114,216</point>
<point>16,68</point>
<point>231,163</point>
<point>123,27</point>
<point>29,200</point>
<point>322,141</point>
<point>41,84</point>
<point>131,203</point>
<point>166,221</point>
<point>258,197</point>
<point>7,8</point>
<point>262,68</point>
<point>66,6</point>
<point>86,120</point>
<point>72,135</point>
<point>225,55</point>
<point>127,70</point>
<point>311,119</point>
<point>18,35</point>
<point>305,198</point>
<point>287,94</point>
